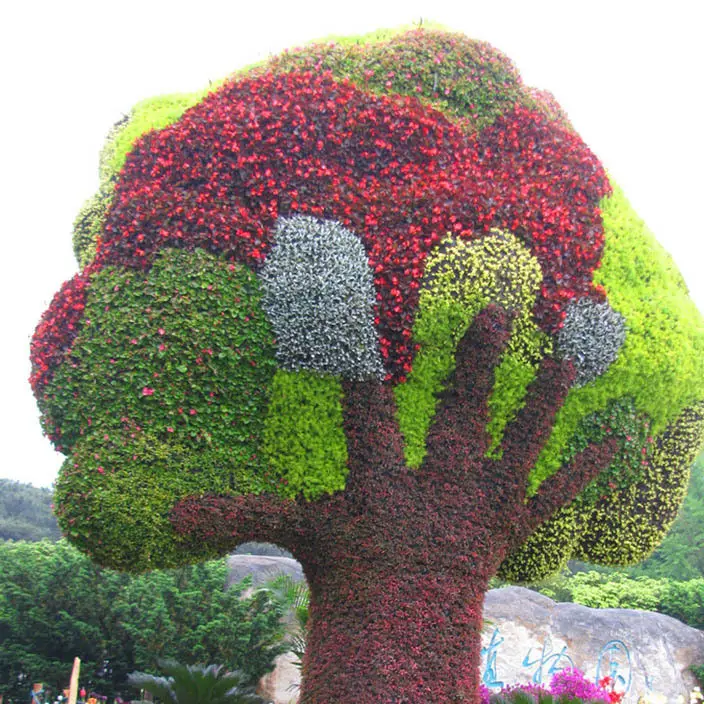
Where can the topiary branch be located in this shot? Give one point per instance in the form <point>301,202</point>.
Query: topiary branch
<point>458,436</point>
<point>527,435</point>
<point>564,486</point>
<point>223,522</point>
<point>374,441</point>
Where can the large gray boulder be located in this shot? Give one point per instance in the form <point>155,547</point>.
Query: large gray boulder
<point>262,569</point>
<point>528,637</point>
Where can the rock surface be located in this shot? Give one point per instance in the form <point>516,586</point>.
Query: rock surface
<point>528,637</point>
<point>262,569</point>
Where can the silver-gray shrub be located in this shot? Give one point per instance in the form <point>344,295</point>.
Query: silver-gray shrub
<point>319,296</point>
<point>591,337</point>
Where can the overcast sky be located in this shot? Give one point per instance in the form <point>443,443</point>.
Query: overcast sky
<point>629,75</point>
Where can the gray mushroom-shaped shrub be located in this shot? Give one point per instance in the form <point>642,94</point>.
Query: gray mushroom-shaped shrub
<point>592,335</point>
<point>318,292</point>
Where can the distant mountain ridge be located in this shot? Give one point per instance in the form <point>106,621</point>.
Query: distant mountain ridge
<point>25,512</point>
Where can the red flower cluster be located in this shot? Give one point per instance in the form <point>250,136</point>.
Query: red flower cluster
<point>58,328</point>
<point>394,171</point>
<point>542,183</point>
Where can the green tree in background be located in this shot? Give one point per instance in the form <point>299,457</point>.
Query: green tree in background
<point>25,512</point>
<point>187,615</point>
<point>55,604</point>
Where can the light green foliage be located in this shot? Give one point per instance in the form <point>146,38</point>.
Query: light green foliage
<point>89,223</point>
<point>681,554</point>
<point>545,552</point>
<point>146,116</point>
<point>151,114</point>
<point>661,364</point>
<point>461,278</point>
<point>630,518</point>
<point>303,443</point>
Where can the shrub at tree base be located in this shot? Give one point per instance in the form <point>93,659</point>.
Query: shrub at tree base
<point>194,684</point>
<point>683,600</point>
<point>376,302</point>
<point>568,685</point>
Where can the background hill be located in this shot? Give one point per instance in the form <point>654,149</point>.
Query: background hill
<point>25,512</point>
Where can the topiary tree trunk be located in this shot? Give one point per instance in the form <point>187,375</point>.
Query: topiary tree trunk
<point>399,562</point>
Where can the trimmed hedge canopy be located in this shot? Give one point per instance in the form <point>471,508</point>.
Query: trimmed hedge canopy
<point>343,212</point>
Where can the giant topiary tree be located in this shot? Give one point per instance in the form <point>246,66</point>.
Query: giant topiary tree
<point>374,301</point>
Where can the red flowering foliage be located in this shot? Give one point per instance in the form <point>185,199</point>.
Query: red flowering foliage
<point>58,328</point>
<point>396,172</point>
<point>544,186</point>
<point>398,562</point>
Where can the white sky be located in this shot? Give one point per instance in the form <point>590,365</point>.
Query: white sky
<point>628,73</point>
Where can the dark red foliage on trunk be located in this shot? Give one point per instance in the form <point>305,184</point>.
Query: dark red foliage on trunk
<point>399,562</point>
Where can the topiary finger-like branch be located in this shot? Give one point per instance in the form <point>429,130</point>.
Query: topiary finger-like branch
<point>526,436</point>
<point>374,441</point>
<point>563,487</point>
<point>458,434</point>
<point>223,522</point>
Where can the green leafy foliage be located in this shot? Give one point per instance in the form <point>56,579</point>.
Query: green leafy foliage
<point>661,364</point>
<point>698,672</point>
<point>189,616</point>
<point>681,600</point>
<point>184,351</point>
<point>463,78</point>
<point>164,396</point>
<point>56,604</point>
<point>26,512</point>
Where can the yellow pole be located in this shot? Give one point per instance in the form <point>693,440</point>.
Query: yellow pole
<point>73,689</point>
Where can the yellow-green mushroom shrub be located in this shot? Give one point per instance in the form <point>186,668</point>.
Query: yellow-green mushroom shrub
<point>461,278</point>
